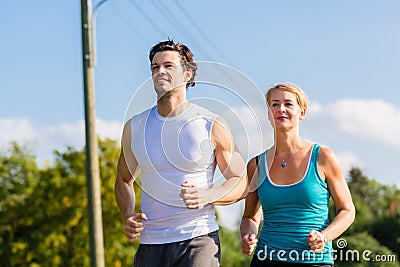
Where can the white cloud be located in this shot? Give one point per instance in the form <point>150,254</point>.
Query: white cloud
<point>19,130</point>
<point>231,214</point>
<point>109,129</point>
<point>372,119</point>
<point>362,133</point>
<point>251,128</point>
<point>348,160</point>
<point>64,134</point>
<point>56,137</point>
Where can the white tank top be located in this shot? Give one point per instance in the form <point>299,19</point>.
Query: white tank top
<point>169,152</point>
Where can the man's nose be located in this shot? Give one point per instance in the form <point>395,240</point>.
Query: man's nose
<point>162,70</point>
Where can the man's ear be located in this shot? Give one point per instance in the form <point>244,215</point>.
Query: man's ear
<point>188,74</point>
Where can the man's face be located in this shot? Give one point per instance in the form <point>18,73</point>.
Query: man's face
<point>168,73</point>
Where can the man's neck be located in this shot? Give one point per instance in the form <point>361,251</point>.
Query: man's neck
<point>172,104</point>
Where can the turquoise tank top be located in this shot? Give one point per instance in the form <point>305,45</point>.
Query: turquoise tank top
<point>290,213</point>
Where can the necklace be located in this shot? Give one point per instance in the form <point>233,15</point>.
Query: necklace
<point>284,163</point>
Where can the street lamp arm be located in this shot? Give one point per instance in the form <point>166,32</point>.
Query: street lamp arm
<point>97,6</point>
<point>93,33</point>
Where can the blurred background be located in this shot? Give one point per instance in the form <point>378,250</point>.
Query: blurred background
<point>344,54</point>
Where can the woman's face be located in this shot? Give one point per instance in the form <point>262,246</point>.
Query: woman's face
<point>284,111</point>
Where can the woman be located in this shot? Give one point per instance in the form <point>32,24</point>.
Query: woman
<point>291,184</point>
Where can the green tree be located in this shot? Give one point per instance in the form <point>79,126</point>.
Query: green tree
<point>362,250</point>
<point>371,199</point>
<point>387,231</point>
<point>376,227</point>
<point>378,197</point>
<point>231,250</point>
<point>118,250</point>
<point>58,236</point>
<point>44,216</point>
<point>18,172</point>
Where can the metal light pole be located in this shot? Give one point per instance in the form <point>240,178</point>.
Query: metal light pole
<point>92,161</point>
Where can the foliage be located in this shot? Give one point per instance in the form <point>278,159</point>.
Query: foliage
<point>360,250</point>
<point>118,250</point>
<point>231,251</point>
<point>378,197</point>
<point>44,217</point>
<point>387,231</point>
<point>18,172</point>
<point>377,225</point>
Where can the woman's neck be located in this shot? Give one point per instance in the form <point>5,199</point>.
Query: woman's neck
<point>287,143</point>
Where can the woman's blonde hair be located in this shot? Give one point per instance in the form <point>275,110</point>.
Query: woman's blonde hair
<point>302,98</point>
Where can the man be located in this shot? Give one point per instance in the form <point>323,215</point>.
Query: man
<point>177,146</point>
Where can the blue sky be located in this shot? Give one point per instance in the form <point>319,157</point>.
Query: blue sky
<point>344,54</point>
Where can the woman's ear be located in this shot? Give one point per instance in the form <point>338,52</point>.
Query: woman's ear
<point>303,113</point>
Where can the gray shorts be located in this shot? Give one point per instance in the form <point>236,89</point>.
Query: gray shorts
<point>201,251</point>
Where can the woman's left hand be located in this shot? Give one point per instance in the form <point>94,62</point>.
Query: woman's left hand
<point>316,240</point>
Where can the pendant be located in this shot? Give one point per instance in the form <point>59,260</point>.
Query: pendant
<point>283,164</point>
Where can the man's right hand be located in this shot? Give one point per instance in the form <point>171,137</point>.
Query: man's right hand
<point>134,226</point>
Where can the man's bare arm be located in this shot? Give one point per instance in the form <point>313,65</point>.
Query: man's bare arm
<point>232,167</point>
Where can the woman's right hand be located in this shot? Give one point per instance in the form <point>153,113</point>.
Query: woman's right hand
<point>249,242</point>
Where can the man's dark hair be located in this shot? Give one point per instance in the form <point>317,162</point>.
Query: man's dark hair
<point>185,53</point>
